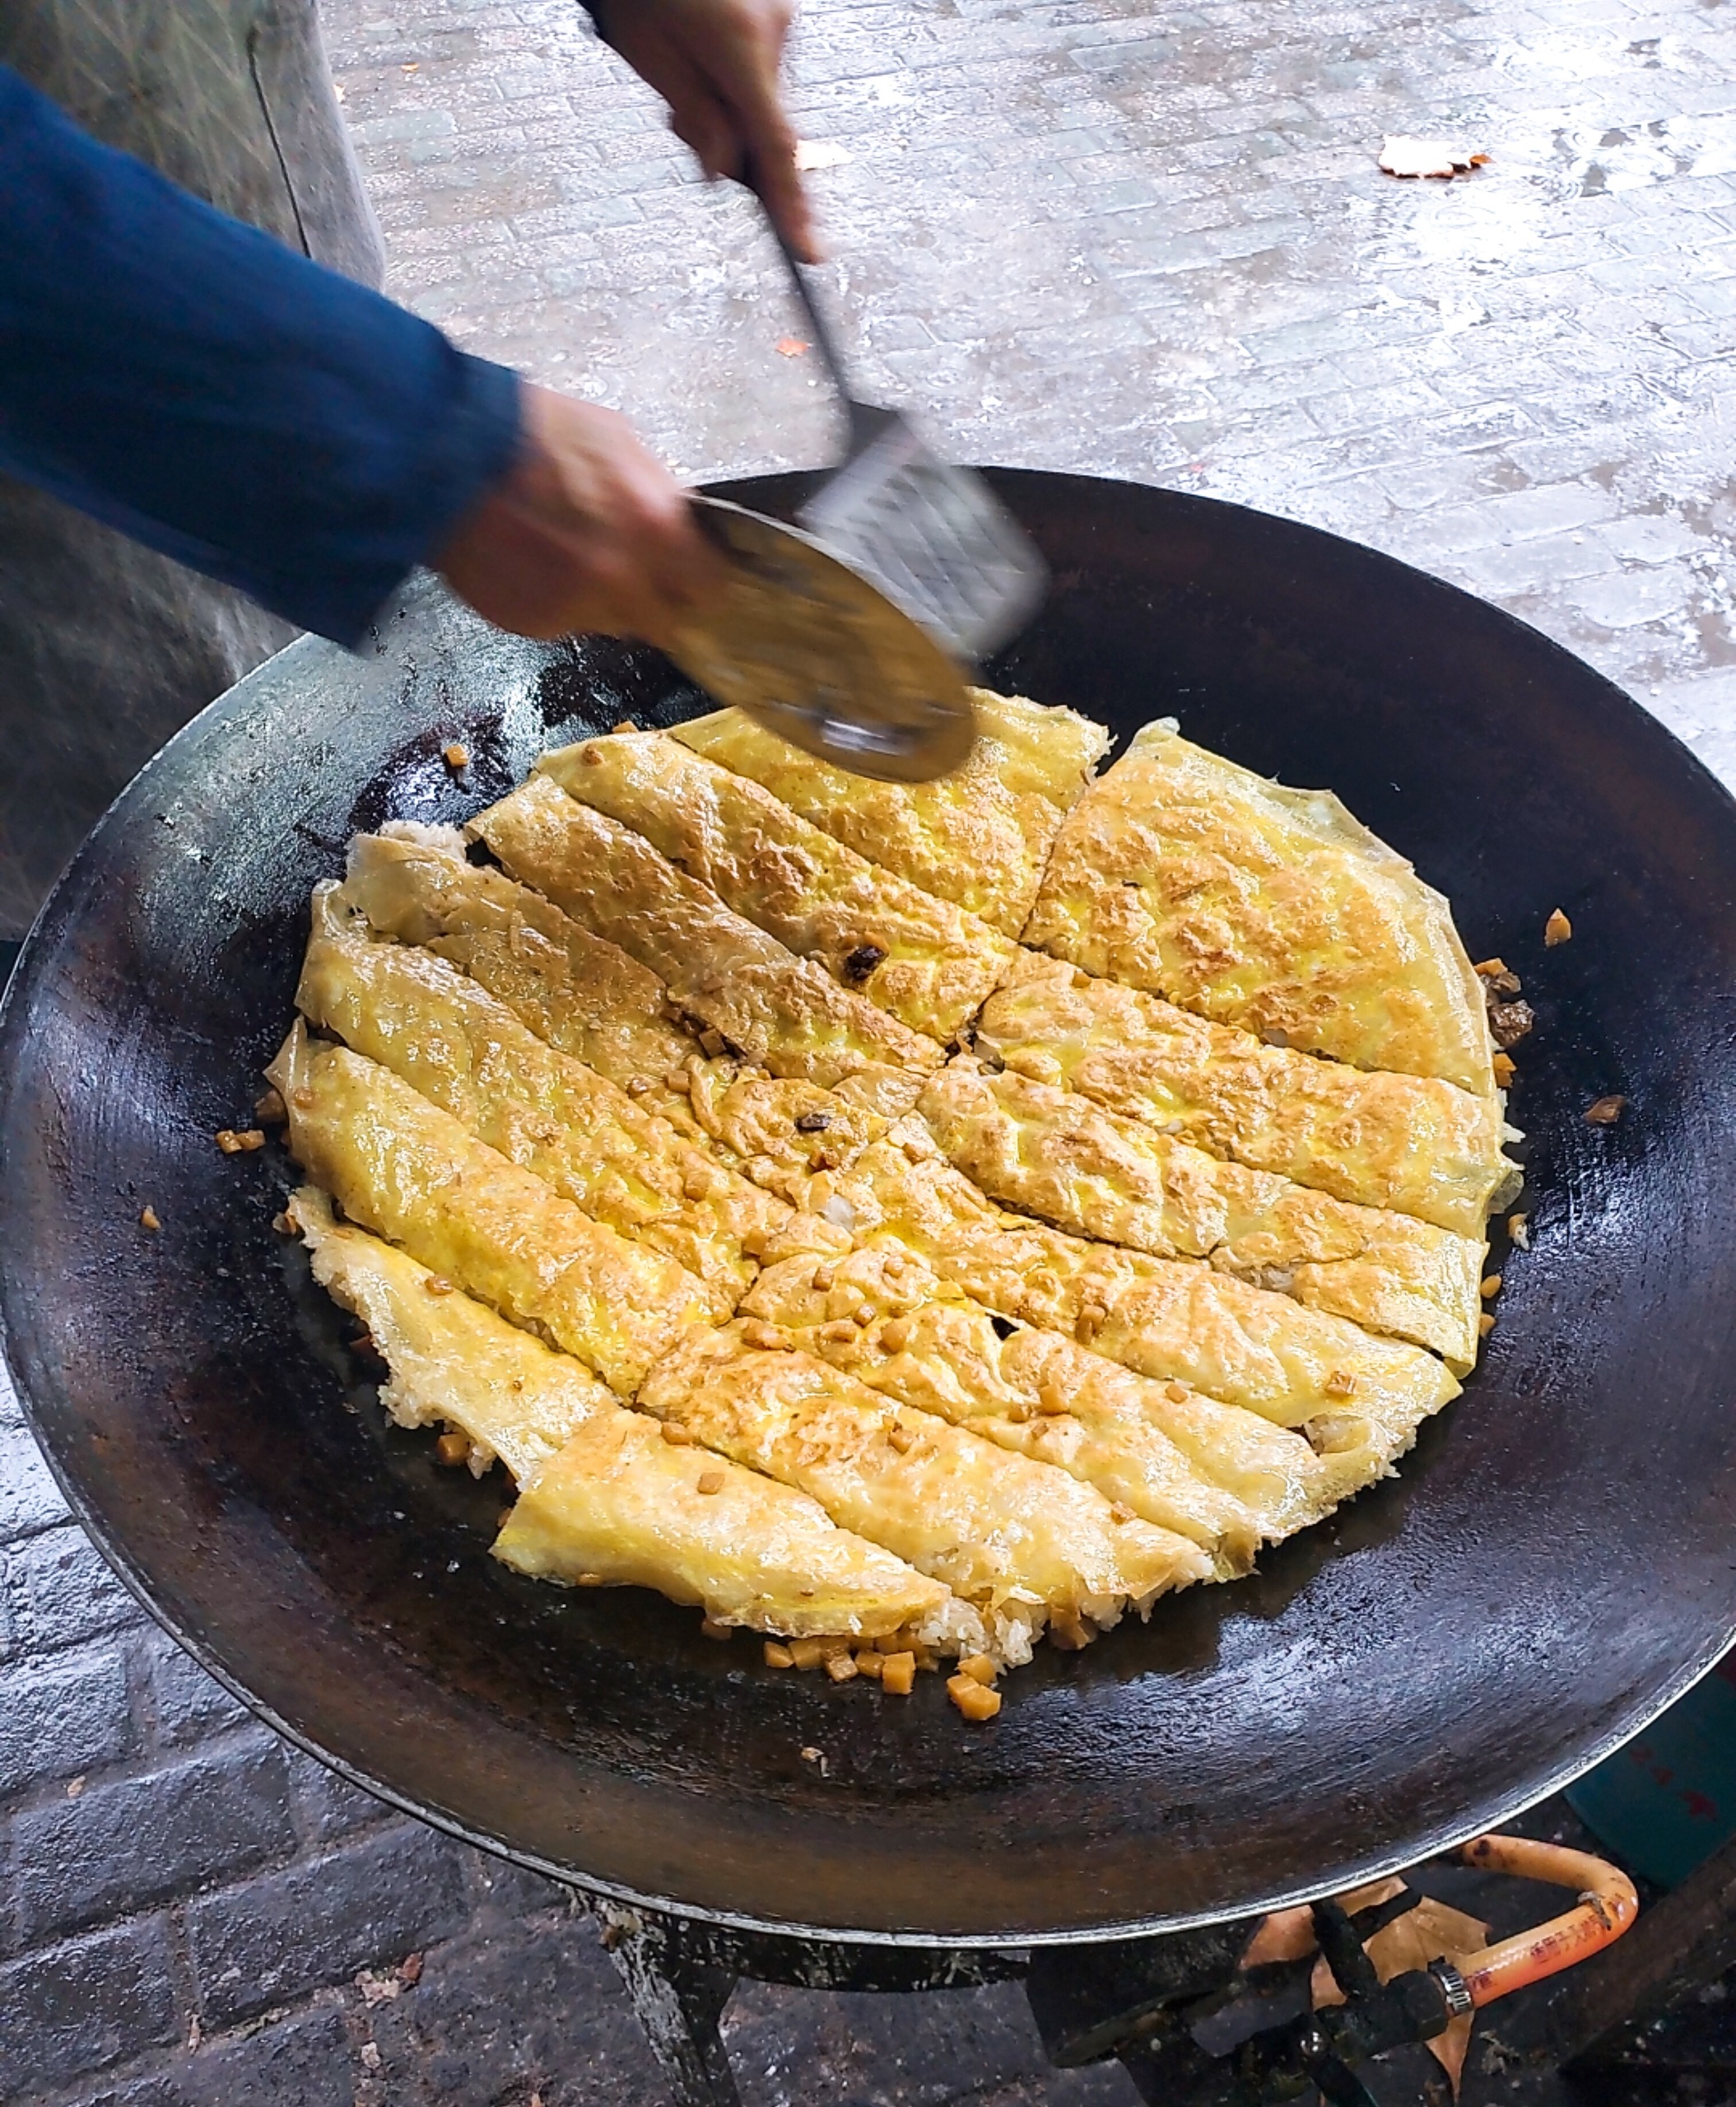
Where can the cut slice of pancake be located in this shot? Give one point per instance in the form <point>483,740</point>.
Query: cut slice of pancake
<point>452,1363</point>
<point>925,1347</point>
<point>979,837</point>
<point>1176,1320</point>
<point>585,997</point>
<point>782,1012</point>
<point>1270,908</point>
<point>1055,1154</point>
<point>604,1499</point>
<point>1051,1398</point>
<point>1018,1540</point>
<point>923,958</point>
<point>399,1166</point>
<point>1411,1143</point>
<point>448,1038</point>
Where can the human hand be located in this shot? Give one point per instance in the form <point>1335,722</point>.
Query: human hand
<point>715,64</point>
<point>586,530</point>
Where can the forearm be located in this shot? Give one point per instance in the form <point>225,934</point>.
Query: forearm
<point>203,389</point>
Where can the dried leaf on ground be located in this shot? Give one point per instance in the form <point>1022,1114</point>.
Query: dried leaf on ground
<point>1431,1931</point>
<point>820,153</point>
<point>1401,155</point>
<point>790,347</point>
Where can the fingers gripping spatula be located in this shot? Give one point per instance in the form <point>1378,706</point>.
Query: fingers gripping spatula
<point>852,635</point>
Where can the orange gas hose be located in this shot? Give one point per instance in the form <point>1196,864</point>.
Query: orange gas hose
<point>1607,1906</point>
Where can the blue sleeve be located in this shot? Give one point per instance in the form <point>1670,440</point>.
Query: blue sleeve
<point>202,388</point>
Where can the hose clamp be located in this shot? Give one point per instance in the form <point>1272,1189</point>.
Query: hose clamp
<point>1454,1987</point>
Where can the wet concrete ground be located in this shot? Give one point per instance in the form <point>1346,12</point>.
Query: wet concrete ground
<point>1147,240</point>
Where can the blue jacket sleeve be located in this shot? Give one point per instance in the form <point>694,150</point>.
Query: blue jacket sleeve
<point>202,388</point>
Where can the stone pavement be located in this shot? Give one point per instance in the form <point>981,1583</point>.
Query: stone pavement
<point>1142,237</point>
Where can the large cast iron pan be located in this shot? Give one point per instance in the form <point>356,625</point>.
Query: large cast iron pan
<point>1555,1563</point>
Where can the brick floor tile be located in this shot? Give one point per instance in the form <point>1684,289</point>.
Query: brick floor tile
<point>328,1806</point>
<point>134,1842</point>
<point>286,1933</point>
<point>29,1500</point>
<point>63,1591</point>
<point>305,2061</point>
<point>63,1716</point>
<point>83,2005</point>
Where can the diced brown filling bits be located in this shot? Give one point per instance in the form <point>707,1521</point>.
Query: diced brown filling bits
<point>148,1219</point>
<point>842,1668</point>
<point>455,757</point>
<point>677,1437</point>
<point>1485,1324</point>
<point>863,962</point>
<point>869,1663</point>
<point>1509,1021</point>
<point>1341,1382</point>
<point>812,1122</point>
<point>778,1655</point>
<point>972,1699</point>
<point>1606,1111</point>
<point>1490,1287</point>
<point>710,1481</point>
<point>242,1144</point>
<point>435,1285</point>
<point>626,724</point>
<point>637,1085</point>
<point>1119,1511</point>
<point>1504,1069</point>
<point>711,1630</point>
<point>898,1673</point>
<point>677,1079</point>
<point>839,1332</point>
<point>270,1110</point>
<point>895,1335</point>
<point>711,1043</point>
<point>901,1439</point>
<point>1519,1229</point>
<point>1069,1632</point>
<point>979,1667</point>
<point>764,1338</point>
<point>1176,1392</point>
<point>453,1448</point>
<point>822,1278</point>
<point>1557,930</point>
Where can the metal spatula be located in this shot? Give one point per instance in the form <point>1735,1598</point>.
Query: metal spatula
<point>851,639</point>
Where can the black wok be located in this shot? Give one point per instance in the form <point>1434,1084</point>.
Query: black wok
<point>1555,1563</point>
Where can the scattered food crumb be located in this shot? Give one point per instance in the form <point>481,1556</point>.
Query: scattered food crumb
<point>1519,1229</point>
<point>972,1698</point>
<point>453,1449</point>
<point>626,724</point>
<point>790,347</point>
<point>980,1668</point>
<point>379,1986</point>
<point>1402,155</point>
<point>148,1219</point>
<point>410,1971</point>
<point>820,153</point>
<point>435,1285</point>
<point>779,1656</point>
<point>812,1756</point>
<point>195,2032</point>
<point>677,1437</point>
<point>242,1144</point>
<point>1485,1324</point>
<point>270,1110</point>
<point>75,1786</point>
<point>1606,1111</point>
<point>710,1481</point>
<point>455,757</point>
<point>842,1668</point>
<point>1490,1288</point>
<point>1557,930</point>
<point>712,1630</point>
<point>370,2055</point>
<point>898,1673</point>
<point>1505,1069</point>
<point>283,1223</point>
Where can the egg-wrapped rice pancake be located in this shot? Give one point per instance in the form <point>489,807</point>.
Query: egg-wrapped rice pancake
<point>1261,906</point>
<point>782,1012</point>
<point>1416,1145</point>
<point>927,960</point>
<point>1055,1154</point>
<point>413,1174</point>
<point>979,837</point>
<point>603,1498</point>
<point>448,1038</point>
<point>1020,1541</point>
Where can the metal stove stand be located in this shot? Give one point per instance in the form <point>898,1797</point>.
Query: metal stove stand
<point>1193,2030</point>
